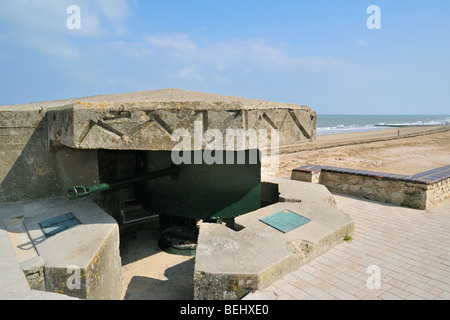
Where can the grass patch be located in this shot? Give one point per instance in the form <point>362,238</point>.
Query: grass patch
<point>348,238</point>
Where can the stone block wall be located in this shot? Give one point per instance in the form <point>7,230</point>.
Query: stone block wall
<point>438,192</point>
<point>419,191</point>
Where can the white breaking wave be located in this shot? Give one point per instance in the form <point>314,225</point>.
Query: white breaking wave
<point>329,124</point>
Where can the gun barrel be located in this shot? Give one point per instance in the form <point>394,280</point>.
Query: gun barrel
<point>78,192</point>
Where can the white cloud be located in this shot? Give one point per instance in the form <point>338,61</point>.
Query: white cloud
<point>261,52</point>
<point>185,74</point>
<point>361,43</point>
<point>40,25</point>
<point>51,47</point>
<point>185,60</point>
<point>22,15</point>
<point>115,11</point>
<point>133,50</point>
<point>223,56</point>
<point>172,41</point>
<point>50,15</point>
<point>182,60</point>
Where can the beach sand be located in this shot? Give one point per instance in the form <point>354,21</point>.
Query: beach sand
<point>150,274</point>
<point>417,149</point>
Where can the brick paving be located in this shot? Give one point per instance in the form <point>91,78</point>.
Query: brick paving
<point>410,248</point>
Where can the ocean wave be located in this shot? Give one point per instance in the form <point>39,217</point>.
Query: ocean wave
<point>345,129</point>
<point>356,123</point>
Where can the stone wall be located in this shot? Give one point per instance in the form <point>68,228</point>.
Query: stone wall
<point>419,191</point>
<point>393,192</point>
<point>438,192</point>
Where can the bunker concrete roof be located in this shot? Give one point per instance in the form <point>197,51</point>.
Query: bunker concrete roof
<point>196,99</point>
<point>147,120</point>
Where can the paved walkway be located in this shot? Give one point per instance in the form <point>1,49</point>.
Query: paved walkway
<point>410,248</point>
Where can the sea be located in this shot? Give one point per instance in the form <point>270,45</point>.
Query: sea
<point>335,124</point>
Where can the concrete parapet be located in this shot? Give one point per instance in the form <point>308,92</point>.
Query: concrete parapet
<point>81,262</point>
<point>231,263</point>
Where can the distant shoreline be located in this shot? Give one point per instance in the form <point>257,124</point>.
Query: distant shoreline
<point>405,125</point>
<point>361,137</point>
<point>337,124</point>
<point>415,149</point>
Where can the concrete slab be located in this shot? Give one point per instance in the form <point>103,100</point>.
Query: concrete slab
<point>287,190</point>
<point>82,262</point>
<point>230,264</point>
<point>23,246</point>
<point>13,283</point>
<point>12,279</point>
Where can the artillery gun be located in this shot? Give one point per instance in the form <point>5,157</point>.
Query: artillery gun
<point>78,192</point>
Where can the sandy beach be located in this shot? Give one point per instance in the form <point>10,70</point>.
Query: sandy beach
<point>415,150</point>
<point>151,274</point>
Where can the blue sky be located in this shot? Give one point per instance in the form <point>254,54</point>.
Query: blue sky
<point>319,53</point>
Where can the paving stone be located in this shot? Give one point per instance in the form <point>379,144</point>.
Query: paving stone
<point>412,267</point>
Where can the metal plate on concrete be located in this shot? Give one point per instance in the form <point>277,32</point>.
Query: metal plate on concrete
<point>285,221</point>
<point>59,224</point>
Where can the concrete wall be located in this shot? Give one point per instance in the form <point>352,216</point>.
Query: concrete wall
<point>31,166</point>
<point>34,168</point>
<point>25,163</point>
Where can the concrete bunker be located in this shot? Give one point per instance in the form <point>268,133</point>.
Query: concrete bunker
<point>114,138</point>
<point>137,134</point>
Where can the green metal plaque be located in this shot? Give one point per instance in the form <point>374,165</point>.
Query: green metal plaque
<point>285,221</point>
<point>59,224</point>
